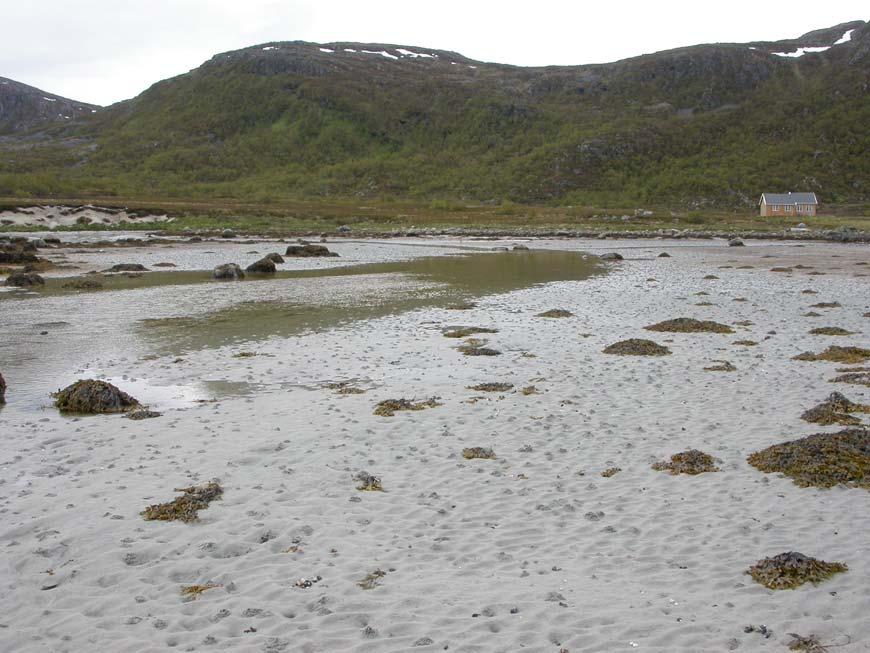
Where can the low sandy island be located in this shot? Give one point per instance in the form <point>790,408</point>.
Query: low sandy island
<point>562,538</point>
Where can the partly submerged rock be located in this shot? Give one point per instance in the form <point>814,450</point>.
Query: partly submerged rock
<point>792,569</point>
<point>24,280</point>
<point>186,507</point>
<point>308,250</point>
<point>637,347</point>
<point>735,242</point>
<point>689,325</point>
<point>228,272</point>
<point>611,256</point>
<point>820,460</point>
<point>263,266</point>
<point>275,257</point>
<point>89,396</point>
<point>127,267</point>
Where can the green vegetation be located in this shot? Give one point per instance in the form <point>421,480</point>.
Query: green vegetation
<point>700,130</point>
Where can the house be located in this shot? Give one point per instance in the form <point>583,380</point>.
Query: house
<point>788,204</point>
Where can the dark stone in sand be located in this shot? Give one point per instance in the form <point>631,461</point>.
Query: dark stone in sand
<point>143,413</point>
<point>664,255</point>
<point>612,256</point>
<point>275,257</point>
<point>735,242</point>
<point>24,280</point>
<point>90,397</point>
<point>2,390</point>
<point>127,267</point>
<point>263,266</point>
<point>308,251</point>
<point>228,272</point>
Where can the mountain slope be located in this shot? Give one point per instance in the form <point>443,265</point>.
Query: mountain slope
<point>704,125</point>
<point>24,108</point>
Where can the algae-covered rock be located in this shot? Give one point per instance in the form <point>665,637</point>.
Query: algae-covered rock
<point>308,250</point>
<point>89,396</point>
<point>836,354</point>
<point>637,347</point>
<point>390,407</point>
<point>24,280</point>
<point>691,461</point>
<point>228,272</point>
<point>792,569</point>
<point>689,325</point>
<point>263,266</point>
<point>555,313</point>
<point>483,453</point>
<point>820,460</point>
<point>464,332</point>
<point>186,507</point>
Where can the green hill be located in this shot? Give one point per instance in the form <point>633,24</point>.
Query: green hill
<point>704,126</point>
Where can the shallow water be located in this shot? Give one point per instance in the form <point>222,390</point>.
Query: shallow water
<point>54,334</point>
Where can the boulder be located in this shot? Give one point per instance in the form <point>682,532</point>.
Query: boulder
<point>127,267</point>
<point>275,257</point>
<point>343,229</point>
<point>612,256</point>
<point>228,272</point>
<point>18,252</point>
<point>24,280</point>
<point>89,396</point>
<point>228,233</point>
<point>521,248</point>
<point>308,250</point>
<point>735,242</point>
<point>263,266</point>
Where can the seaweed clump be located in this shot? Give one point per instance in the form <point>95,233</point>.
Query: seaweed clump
<point>830,331</point>
<point>389,407</point>
<point>556,312</point>
<point>368,482</point>
<point>637,347</point>
<point>835,354</point>
<point>464,332</point>
<point>835,410</point>
<point>689,325</point>
<point>826,305</point>
<point>792,569</point>
<point>483,453</point>
<point>491,387</point>
<point>691,461</point>
<point>88,396</point>
<point>820,460</point>
<point>809,644</point>
<point>721,366</point>
<point>372,580</point>
<point>474,349</point>
<point>611,471</point>
<point>186,507</point>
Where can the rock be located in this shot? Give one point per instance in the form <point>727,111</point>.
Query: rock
<point>2,390</point>
<point>275,257</point>
<point>24,280</point>
<point>228,233</point>
<point>612,256</point>
<point>39,243</point>
<point>90,397</point>
<point>127,267</point>
<point>664,255</point>
<point>521,248</point>
<point>227,272</point>
<point>18,253</point>
<point>735,242</point>
<point>344,229</point>
<point>308,250</point>
<point>263,266</point>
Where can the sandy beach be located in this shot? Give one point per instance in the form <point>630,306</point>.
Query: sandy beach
<point>534,550</point>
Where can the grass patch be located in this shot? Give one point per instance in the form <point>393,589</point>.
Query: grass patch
<point>689,325</point>
<point>792,569</point>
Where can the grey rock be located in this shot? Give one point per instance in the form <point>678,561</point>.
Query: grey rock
<point>228,272</point>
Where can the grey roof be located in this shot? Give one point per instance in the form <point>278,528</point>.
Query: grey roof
<point>789,198</point>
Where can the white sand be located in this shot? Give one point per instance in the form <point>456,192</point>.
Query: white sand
<point>67,216</point>
<point>533,551</point>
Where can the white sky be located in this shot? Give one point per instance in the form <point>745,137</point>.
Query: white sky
<point>103,51</point>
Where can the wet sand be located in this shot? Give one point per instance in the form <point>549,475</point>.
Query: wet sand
<point>533,550</point>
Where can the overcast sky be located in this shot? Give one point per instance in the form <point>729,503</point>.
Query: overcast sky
<point>103,51</point>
